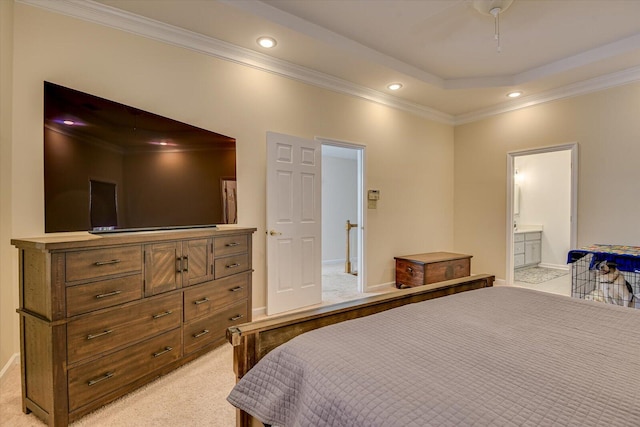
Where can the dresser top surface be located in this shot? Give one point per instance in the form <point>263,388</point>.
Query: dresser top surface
<point>63,241</point>
<point>431,257</point>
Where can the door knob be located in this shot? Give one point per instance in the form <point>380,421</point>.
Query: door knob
<point>274,233</point>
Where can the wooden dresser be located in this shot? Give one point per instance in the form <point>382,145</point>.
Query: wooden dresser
<point>103,315</point>
<point>432,267</point>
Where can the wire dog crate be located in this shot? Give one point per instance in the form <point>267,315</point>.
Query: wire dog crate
<point>606,273</point>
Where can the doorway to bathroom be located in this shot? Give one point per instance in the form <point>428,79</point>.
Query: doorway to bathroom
<point>342,221</point>
<point>541,217</point>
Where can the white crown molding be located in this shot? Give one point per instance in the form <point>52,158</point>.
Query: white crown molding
<point>601,53</point>
<point>98,13</point>
<point>333,39</point>
<point>105,15</point>
<point>599,83</point>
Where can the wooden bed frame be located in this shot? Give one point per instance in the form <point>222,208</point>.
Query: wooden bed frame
<point>252,341</point>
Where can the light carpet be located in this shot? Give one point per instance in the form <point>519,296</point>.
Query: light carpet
<point>536,275</point>
<point>338,286</point>
<point>193,395</point>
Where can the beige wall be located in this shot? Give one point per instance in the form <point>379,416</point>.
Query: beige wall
<point>606,127</point>
<point>409,159</point>
<point>9,333</point>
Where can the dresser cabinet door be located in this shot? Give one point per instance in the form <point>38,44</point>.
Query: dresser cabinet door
<point>163,267</point>
<point>197,259</point>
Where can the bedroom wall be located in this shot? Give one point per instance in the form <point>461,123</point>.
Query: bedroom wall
<point>231,99</point>
<point>9,332</point>
<point>605,124</point>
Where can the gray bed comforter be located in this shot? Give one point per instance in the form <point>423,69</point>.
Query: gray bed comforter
<point>492,357</point>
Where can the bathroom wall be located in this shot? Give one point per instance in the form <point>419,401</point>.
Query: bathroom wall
<point>339,203</point>
<point>545,199</point>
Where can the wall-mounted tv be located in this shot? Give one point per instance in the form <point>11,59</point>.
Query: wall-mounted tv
<point>110,167</point>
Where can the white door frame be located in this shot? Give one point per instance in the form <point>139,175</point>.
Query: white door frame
<point>573,236</point>
<point>361,217</point>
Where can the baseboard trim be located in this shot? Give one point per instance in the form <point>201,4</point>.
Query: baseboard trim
<point>554,266</point>
<point>13,360</point>
<point>259,312</point>
<point>376,288</point>
<point>500,282</point>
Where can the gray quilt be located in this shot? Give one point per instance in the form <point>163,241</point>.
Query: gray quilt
<point>492,357</point>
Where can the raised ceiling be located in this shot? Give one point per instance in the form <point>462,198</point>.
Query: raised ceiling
<point>442,51</point>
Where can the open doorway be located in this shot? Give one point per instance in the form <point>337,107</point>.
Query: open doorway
<point>541,217</point>
<point>342,220</point>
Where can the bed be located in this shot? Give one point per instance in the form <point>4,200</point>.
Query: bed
<point>490,356</point>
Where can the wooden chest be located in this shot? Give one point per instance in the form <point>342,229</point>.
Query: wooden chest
<point>422,269</point>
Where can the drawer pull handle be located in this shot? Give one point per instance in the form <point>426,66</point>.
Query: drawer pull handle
<point>236,317</point>
<point>185,260</point>
<point>102,378</point>
<point>236,289</point>
<point>167,349</point>
<point>204,332</point>
<point>113,261</point>
<point>410,270</point>
<point>108,294</point>
<point>234,265</point>
<point>159,315</point>
<point>201,301</point>
<point>101,334</point>
<point>232,244</point>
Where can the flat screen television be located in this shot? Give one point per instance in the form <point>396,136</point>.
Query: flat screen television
<point>109,167</point>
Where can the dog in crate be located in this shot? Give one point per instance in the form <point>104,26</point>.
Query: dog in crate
<point>613,285</point>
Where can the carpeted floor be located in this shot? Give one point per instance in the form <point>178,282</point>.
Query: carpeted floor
<point>536,275</point>
<point>193,395</point>
<point>337,285</point>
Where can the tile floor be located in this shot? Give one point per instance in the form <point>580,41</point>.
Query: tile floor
<point>560,285</point>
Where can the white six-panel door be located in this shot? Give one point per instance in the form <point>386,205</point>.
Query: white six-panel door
<point>294,226</point>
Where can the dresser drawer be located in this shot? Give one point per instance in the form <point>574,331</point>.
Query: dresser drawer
<point>409,273</point>
<point>208,298</point>
<point>105,293</point>
<point>231,265</point>
<point>230,245</point>
<point>92,380</point>
<point>94,263</point>
<point>201,332</point>
<point>101,333</point>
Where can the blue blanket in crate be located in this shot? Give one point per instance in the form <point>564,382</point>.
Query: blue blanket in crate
<point>627,258</point>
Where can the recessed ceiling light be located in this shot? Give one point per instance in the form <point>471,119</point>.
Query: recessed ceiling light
<point>514,94</point>
<point>394,86</point>
<point>69,122</point>
<point>267,42</point>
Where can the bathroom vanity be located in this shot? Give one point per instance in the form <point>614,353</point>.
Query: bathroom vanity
<point>527,246</point>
